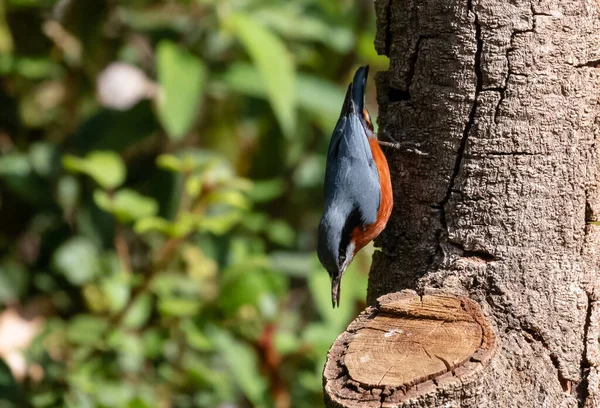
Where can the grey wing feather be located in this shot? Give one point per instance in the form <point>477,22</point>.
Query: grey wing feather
<point>351,176</point>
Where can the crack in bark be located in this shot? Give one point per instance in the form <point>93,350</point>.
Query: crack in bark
<point>397,95</point>
<point>483,256</point>
<point>471,121</point>
<point>583,387</point>
<point>510,48</point>
<point>592,64</point>
<point>519,153</point>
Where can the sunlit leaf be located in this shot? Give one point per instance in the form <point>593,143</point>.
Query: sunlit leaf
<point>179,307</point>
<point>116,291</point>
<point>77,260</point>
<point>274,64</point>
<point>41,157</point>
<point>182,77</point>
<point>193,185</point>
<point>170,162</point>
<point>228,197</point>
<point>126,205</point>
<point>148,224</point>
<point>67,193</point>
<point>241,184</point>
<point>94,298</point>
<point>106,168</point>
<point>138,312</point>
<point>6,40</point>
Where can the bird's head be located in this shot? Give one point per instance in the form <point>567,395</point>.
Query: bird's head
<point>335,249</point>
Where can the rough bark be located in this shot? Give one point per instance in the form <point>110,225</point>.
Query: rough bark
<point>504,98</point>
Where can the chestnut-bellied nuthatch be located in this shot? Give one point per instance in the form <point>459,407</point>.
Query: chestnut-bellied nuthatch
<point>358,189</point>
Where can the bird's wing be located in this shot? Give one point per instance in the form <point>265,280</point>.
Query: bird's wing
<point>351,176</point>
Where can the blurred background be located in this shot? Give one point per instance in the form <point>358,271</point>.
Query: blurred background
<point>161,170</point>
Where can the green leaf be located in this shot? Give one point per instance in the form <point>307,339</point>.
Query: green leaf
<point>281,233</point>
<point>77,260</point>
<point>67,193</point>
<point>14,280</point>
<point>193,186</point>
<point>14,164</point>
<point>253,286</point>
<point>267,190</point>
<point>179,307</point>
<point>182,78</point>
<point>148,224</point>
<point>294,23</point>
<point>286,342</point>
<point>86,329</point>
<point>319,97</point>
<point>139,312</point>
<point>116,291</point>
<point>41,157</point>
<point>220,224</point>
<point>126,205</point>
<point>130,351</point>
<point>6,40</point>
<point>274,64</point>
<point>228,197</point>
<point>195,338</point>
<point>243,365</point>
<point>9,390</point>
<point>170,162</point>
<point>106,168</point>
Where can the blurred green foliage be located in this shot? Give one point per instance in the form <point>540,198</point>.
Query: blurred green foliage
<point>161,167</point>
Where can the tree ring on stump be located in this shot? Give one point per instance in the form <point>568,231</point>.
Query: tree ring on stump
<point>407,346</point>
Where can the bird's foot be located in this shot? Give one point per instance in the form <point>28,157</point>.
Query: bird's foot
<point>412,147</point>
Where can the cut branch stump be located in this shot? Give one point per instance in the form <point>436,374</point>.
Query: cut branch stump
<point>407,347</point>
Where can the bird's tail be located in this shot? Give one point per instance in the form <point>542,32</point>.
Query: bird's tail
<point>359,87</point>
<point>356,93</point>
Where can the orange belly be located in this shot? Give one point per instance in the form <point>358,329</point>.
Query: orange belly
<point>362,236</point>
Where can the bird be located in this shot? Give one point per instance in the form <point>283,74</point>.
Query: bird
<point>358,197</point>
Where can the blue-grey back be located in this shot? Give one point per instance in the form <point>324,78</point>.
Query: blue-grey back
<point>351,175</point>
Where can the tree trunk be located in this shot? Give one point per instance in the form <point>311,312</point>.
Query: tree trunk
<point>504,98</point>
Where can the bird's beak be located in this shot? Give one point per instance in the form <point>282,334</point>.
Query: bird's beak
<point>335,290</point>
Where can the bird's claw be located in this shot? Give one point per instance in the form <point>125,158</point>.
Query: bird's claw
<point>411,147</point>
